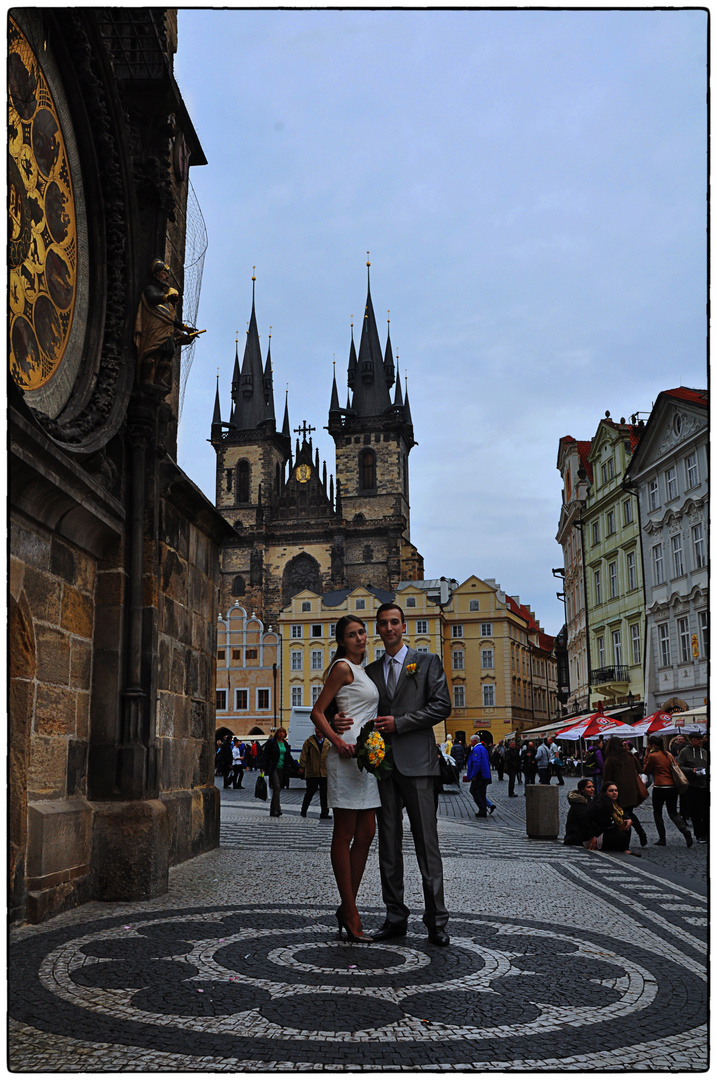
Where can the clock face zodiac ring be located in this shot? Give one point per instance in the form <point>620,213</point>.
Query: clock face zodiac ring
<point>42,231</point>
<point>303,472</point>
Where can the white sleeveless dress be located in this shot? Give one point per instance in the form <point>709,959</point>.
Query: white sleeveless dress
<point>348,787</point>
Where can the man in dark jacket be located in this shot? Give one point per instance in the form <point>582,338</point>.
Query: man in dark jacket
<point>313,765</point>
<point>511,767</point>
<point>579,801</point>
<point>694,763</point>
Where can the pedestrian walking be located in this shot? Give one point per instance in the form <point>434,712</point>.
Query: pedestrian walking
<point>225,760</point>
<point>459,756</point>
<point>694,762</point>
<point>556,761</point>
<point>237,763</point>
<point>478,772</point>
<point>313,764</point>
<point>498,759</point>
<point>277,763</point>
<point>542,760</point>
<point>530,767</point>
<point>593,765</point>
<point>511,767</point>
<point>658,764</point>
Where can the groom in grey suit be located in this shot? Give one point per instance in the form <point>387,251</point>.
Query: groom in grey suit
<point>413,696</point>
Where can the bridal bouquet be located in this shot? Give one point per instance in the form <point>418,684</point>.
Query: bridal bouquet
<point>372,753</point>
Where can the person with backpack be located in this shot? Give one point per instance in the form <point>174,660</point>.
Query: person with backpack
<point>593,765</point>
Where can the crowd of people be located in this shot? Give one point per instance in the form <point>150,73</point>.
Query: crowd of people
<point>616,781</point>
<point>615,778</point>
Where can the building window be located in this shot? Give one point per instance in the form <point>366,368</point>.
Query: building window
<point>243,482</point>
<point>596,532</point>
<point>678,566</point>
<point>489,695</point>
<point>367,470</point>
<point>631,570</point>
<point>474,605</point>
<point>262,699</point>
<point>236,654</point>
<point>607,471</point>
<point>361,604</point>
<point>627,512</point>
<point>380,653</point>
<point>332,630</point>
<point>410,601</point>
<point>238,586</point>
<point>657,564</point>
<point>458,660</point>
<point>616,648</point>
<point>653,492</point>
<point>421,626</point>
<point>635,643</point>
<point>297,630</point>
<point>601,652</point>
<point>315,691</point>
<point>316,629</point>
<point>251,654</point>
<point>683,635</point>
<point>221,654</point>
<point>297,660</point>
<point>698,544</point>
<point>297,696</point>
<point>612,575</point>
<point>486,629</point>
<point>241,700</point>
<point>693,475</point>
<point>221,700</point>
<point>459,697</point>
<point>306,605</point>
<point>664,637</point>
<point>486,658</point>
<point>598,587</point>
<point>317,659</point>
<point>671,482</point>
<point>610,522</point>
<point>456,630</point>
<point>704,632</point>
<point>422,648</point>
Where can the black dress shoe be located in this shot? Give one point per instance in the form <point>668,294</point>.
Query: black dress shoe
<point>438,937</point>
<point>390,930</point>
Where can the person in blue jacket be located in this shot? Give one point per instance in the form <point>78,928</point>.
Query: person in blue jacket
<point>478,772</point>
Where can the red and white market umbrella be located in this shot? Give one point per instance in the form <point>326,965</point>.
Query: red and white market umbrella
<point>591,727</point>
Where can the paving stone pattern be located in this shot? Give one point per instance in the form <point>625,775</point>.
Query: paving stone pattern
<point>560,960</point>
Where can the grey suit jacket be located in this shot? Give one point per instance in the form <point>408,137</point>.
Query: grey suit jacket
<point>421,699</point>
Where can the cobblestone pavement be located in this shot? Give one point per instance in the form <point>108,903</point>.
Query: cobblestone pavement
<point>560,960</point>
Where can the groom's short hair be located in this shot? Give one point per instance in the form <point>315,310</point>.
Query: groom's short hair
<point>390,607</point>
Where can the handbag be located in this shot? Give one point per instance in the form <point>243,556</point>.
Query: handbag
<point>642,791</point>
<point>260,789</point>
<point>681,781</point>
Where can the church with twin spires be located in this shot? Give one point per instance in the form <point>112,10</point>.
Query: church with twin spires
<point>294,527</point>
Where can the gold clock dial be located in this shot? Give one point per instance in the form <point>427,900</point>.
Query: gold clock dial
<point>303,472</point>
<point>42,245</point>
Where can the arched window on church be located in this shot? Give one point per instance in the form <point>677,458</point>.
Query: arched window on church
<point>367,470</point>
<point>238,586</point>
<point>303,572</point>
<point>243,476</point>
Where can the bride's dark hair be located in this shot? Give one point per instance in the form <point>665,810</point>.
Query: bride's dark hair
<point>340,653</point>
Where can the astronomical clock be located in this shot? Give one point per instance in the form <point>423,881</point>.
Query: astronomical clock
<point>46,241</point>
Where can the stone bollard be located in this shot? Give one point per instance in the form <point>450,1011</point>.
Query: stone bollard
<point>542,817</point>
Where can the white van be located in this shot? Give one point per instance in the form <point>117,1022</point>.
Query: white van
<point>300,728</point>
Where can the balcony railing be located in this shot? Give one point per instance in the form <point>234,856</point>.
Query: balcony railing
<point>610,675</point>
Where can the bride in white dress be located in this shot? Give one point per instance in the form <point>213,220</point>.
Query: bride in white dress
<point>352,794</point>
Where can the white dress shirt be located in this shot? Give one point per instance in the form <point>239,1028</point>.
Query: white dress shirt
<point>400,658</point>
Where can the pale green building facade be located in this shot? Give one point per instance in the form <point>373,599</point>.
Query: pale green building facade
<point>613,570</point>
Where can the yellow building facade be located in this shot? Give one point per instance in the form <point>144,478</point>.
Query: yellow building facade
<point>248,687</point>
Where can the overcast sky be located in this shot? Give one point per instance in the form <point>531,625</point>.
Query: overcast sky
<point>531,186</point>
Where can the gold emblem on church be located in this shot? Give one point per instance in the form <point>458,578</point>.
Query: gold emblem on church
<point>42,245</point>
<point>303,472</point>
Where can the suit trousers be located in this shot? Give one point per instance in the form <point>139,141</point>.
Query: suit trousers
<point>417,794</point>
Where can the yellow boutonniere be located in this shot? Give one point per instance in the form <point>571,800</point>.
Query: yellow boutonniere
<point>412,669</point>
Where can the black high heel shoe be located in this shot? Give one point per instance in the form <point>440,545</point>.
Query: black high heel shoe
<point>360,939</point>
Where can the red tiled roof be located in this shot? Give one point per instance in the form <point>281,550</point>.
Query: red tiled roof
<point>685,393</point>
<point>583,451</point>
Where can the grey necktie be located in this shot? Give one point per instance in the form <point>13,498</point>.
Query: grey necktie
<point>391,680</point>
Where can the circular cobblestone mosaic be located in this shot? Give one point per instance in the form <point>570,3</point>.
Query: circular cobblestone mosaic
<point>273,984</point>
